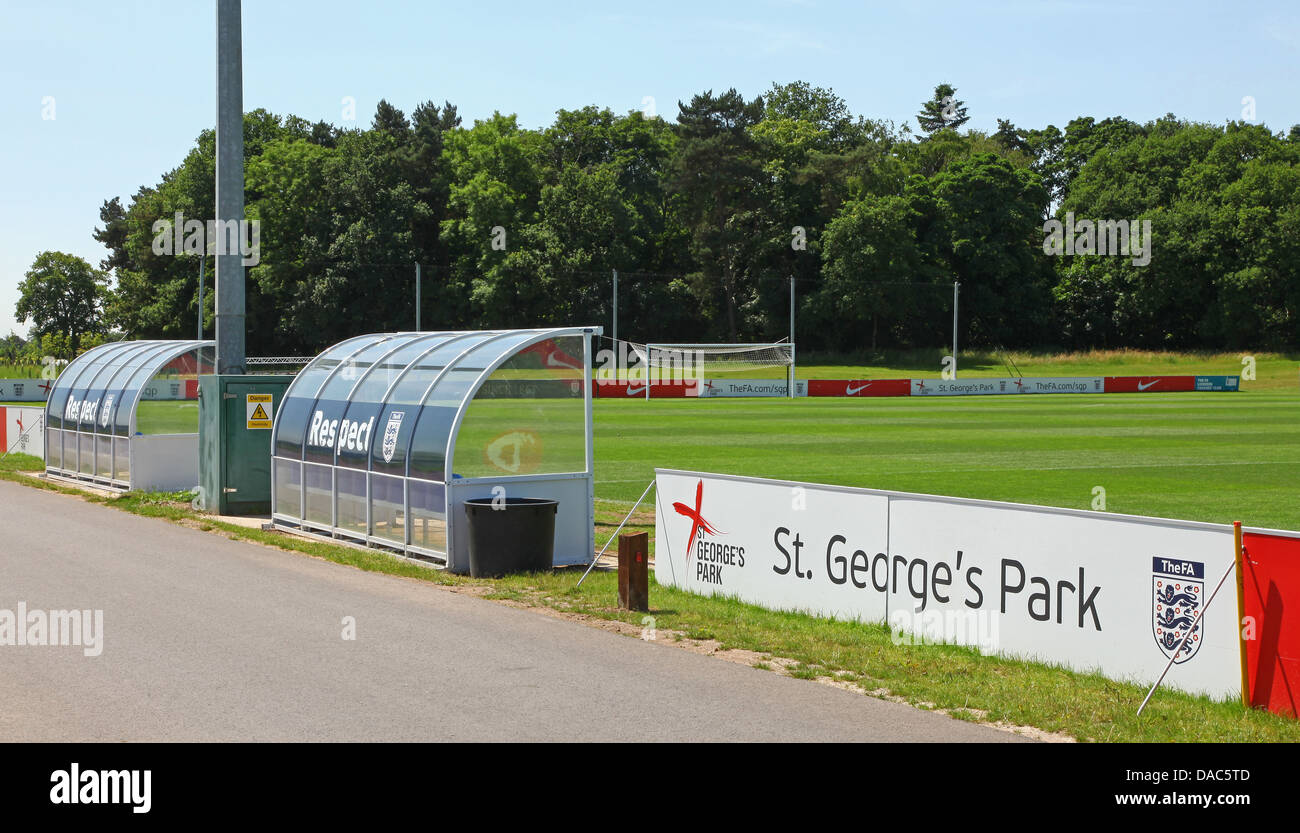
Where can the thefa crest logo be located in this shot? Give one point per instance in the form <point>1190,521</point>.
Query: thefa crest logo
<point>391,430</point>
<point>698,525</point>
<point>107,411</point>
<point>1177,594</point>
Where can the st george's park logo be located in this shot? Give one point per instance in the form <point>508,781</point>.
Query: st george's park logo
<point>711,557</point>
<point>1177,593</point>
<point>699,526</point>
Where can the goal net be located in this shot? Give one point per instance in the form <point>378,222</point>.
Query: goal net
<point>669,363</point>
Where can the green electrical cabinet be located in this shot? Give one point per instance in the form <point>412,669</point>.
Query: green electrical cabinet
<point>235,418</point>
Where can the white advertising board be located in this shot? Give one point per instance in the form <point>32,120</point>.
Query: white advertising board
<point>1009,385</point>
<point>765,542</point>
<point>751,387</point>
<point>1090,591</point>
<point>25,390</point>
<point>22,430</point>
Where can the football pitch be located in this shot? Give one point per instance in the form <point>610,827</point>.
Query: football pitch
<point>1215,457</point>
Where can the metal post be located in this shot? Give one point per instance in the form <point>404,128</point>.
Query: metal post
<point>590,442</point>
<point>1240,566</point>
<point>230,188</point>
<point>203,261</point>
<point>790,383</point>
<point>615,327</point>
<point>417,297</point>
<point>955,286</point>
<point>635,506</point>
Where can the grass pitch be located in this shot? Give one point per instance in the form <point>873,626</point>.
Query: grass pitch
<point>1215,457</point>
<point>167,416</point>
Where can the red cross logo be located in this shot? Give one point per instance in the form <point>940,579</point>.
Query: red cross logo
<point>697,521</point>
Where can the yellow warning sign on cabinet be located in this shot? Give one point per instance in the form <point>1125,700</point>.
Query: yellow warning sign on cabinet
<point>260,412</point>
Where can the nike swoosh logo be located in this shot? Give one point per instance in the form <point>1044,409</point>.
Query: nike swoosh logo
<point>635,391</point>
<point>1147,385</point>
<point>850,390</point>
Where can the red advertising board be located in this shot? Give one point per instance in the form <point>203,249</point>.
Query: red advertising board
<point>1272,589</point>
<point>1149,384</point>
<point>859,387</point>
<point>636,390</point>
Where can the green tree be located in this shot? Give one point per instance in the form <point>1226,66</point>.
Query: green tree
<point>989,236</point>
<point>1221,201</point>
<point>1011,137</point>
<point>942,112</point>
<point>156,294</point>
<point>113,235</point>
<point>496,174</point>
<point>870,253</point>
<point>719,175</point>
<point>948,147</point>
<point>289,191</point>
<point>12,348</point>
<point>63,296</point>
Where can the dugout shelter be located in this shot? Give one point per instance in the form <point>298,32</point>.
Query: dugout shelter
<point>125,415</point>
<point>382,438</point>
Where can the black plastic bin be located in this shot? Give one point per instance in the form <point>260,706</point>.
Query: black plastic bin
<point>510,535</point>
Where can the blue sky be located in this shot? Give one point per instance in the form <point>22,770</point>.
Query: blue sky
<point>133,83</point>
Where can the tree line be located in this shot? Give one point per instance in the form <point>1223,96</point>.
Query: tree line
<point>707,217</point>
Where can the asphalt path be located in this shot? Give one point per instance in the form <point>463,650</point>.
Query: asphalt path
<point>207,639</point>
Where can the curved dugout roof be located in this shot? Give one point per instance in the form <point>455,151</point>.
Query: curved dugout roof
<point>371,430</point>
<point>96,397</point>
<point>353,389</point>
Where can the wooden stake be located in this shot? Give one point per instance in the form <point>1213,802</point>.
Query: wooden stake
<point>634,571</point>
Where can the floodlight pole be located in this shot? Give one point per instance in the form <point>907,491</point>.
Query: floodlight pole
<point>790,375</point>
<point>230,189</point>
<point>417,297</point>
<point>203,261</point>
<point>955,286</point>
<point>615,327</point>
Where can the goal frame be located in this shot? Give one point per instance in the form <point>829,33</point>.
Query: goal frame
<point>790,386</point>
